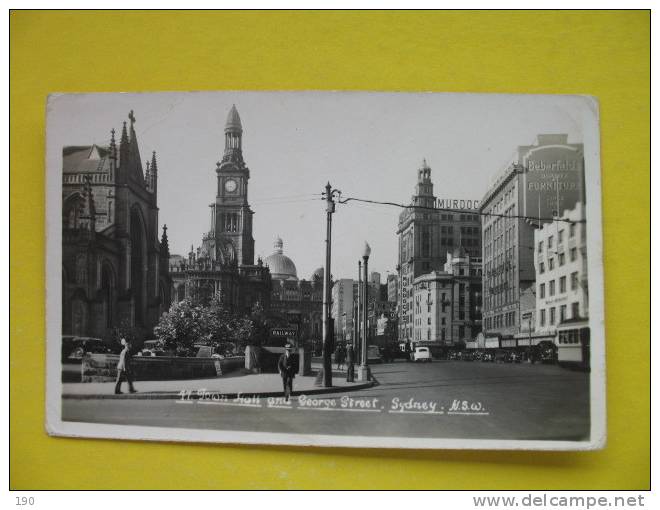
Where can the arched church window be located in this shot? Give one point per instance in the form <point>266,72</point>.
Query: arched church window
<point>81,269</point>
<point>79,317</point>
<point>108,289</point>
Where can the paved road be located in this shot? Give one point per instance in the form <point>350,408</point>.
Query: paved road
<point>446,399</point>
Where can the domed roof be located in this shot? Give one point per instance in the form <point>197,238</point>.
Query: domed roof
<point>318,273</point>
<point>281,267</point>
<point>460,252</point>
<point>233,120</point>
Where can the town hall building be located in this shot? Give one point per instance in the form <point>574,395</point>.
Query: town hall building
<point>223,265</point>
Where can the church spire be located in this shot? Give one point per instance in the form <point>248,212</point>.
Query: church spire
<point>147,176</point>
<point>154,174</point>
<point>113,155</point>
<point>88,214</point>
<point>131,117</point>
<point>123,149</point>
<point>164,244</point>
<point>113,145</point>
<point>154,163</point>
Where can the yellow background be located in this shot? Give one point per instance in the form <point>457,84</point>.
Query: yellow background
<point>605,54</point>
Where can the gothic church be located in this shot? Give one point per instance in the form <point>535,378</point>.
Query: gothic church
<point>114,268</point>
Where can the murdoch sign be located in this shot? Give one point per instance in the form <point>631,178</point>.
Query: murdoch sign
<point>458,204</point>
<point>554,176</point>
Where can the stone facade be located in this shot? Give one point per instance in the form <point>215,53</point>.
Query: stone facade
<point>115,269</point>
<point>448,303</point>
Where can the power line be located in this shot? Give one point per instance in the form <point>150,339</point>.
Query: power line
<point>277,202</point>
<point>443,209</point>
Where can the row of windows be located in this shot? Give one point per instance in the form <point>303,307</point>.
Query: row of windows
<point>501,294</point>
<point>560,237</point>
<point>503,241</point>
<point>501,321</point>
<point>505,198</point>
<point>562,285</point>
<point>471,230</point>
<point>500,223</point>
<point>469,217</point>
<point>501,265</point>
<point>552,314</point>
<point>443,334</point>
<point>230,222</point>
<point>561,258</point>
<point>569,337</point>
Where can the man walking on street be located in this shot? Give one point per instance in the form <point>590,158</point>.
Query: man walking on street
<point>287,368</point>
<point>124,368</point>
<point>350,366</point>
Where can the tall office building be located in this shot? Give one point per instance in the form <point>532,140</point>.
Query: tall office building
<point>428,229</point>
<point>539,182</point>
<point>342,309</point>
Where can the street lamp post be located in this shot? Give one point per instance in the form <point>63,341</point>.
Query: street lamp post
<point>363,372</point>
<point>358,317</point>
<point>529,328</point>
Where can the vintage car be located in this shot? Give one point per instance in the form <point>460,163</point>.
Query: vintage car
<point>422,354</point>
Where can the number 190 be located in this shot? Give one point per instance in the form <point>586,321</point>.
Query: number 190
<point>24,501</point>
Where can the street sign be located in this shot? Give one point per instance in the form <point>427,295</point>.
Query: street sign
<point>283,332</point>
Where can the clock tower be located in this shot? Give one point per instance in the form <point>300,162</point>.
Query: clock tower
<point>230,239</point>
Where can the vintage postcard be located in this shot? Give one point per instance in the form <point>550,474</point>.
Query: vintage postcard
<point>386,270</point>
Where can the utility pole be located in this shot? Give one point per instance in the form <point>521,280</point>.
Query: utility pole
<point>329,196</point>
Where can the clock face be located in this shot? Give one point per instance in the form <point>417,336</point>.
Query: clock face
<point>230,185</point>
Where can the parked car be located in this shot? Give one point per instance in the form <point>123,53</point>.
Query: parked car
<point>373,354</point>
<point>422,354</point>
<point>75,347</point>
<point>454,355</point>
<point>487,356</point>
<point>468,356</point>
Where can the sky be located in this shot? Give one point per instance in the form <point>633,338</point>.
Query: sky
<point>368,145</point>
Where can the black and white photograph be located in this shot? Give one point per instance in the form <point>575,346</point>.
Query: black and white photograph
<point>350,269</point>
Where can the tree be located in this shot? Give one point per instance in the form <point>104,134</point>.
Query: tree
<point>181,327</point>
<point>189,323</point>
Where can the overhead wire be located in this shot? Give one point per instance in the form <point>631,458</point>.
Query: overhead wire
<point>444,209</point>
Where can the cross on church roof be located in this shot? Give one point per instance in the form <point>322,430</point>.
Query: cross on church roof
<point>131,117</point>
